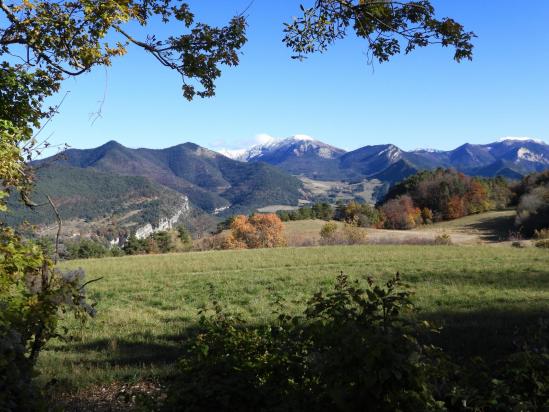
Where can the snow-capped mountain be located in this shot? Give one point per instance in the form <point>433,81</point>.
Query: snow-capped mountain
<point>281,149</point>
<point>299,154</point>
<point>303,155</point>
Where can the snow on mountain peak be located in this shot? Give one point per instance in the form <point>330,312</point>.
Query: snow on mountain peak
<point>235,154</point>
<point>520,139</point>
<point>300,144</point>
<point>525,154</point>
<point>302,138</point>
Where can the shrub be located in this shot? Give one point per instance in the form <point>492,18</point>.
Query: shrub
<point>515,236</point>
<point>400,213</point>
<point>135,246</point>
<point>427,215</point>
<point>257,231</point>
<point>214,242</point>
<point>85,249</point>
<point>183,234</point>
<point>363,215</point>
<point>541,234</point>
<point>533,202</point>
<point>116,251</point>
<point>543,244</point>
<point>33,294</point>
<point>328,233</point>
<point>443,239</point>
<point>351,349</point>
<point>354,235</point>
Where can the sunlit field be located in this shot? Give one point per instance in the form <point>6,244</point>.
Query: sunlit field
<point>146,304</point>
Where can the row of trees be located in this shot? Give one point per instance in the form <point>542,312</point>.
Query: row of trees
<point>322,211</point>
<point>178,240</point>
<point>442,194</point>
<point>424,198</point>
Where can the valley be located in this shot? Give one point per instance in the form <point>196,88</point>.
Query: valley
<point>145,184</point>
<point>169,244</point>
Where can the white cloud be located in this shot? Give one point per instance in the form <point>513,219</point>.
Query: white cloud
<point>237,146</point>
<point>264,138</point>
<point>520,139</point>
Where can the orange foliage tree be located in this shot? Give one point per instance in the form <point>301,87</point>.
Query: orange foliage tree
<point>455,207</point>
<point>400,213</point>
<point>257,231</point>
<point>477,198</point>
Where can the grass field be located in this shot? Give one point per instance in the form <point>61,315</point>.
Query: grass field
<point>146,304</point>
<point>491,227</point>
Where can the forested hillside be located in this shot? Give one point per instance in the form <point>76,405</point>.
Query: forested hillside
<point>212,181</point>
<point>87,194</point>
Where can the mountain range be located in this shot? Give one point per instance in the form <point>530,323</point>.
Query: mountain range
<point>211,181</point>
<point>303,155</point>
<point>144,186</point>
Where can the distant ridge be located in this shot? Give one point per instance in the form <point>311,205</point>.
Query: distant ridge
<point>135,187</point>
<point>511,157</point>
<point>211,181</point>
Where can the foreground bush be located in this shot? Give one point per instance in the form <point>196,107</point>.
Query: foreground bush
<point>32,295</point>
<point>353,349</point>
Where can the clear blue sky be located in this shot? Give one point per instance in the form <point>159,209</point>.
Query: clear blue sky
<point>421,100</point>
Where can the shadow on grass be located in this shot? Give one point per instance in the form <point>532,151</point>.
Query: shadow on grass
<point>494,229</point>
<point>138,349</point>
<point>491,334</point>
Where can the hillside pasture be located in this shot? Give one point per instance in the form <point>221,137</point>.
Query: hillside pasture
<point>148,304</point>
<point>490,227</point>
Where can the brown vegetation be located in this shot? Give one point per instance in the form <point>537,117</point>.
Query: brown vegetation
<point>256,231</point>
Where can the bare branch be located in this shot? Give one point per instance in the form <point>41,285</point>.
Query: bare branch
<point>59,225</point>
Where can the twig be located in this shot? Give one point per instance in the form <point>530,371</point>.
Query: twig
<point>55,110</point>
<point>90,281</point>
<point>59,225</point>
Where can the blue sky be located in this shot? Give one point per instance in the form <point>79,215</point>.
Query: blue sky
<point>421,100</point>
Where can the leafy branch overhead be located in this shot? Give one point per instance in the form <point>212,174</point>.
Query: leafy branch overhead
<point>389,27</point>
<point>69,38</point>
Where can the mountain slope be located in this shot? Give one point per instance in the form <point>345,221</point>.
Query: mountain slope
<point>212,181</point>
<point>370,160</point>
<point>89,195</point>
<point>298,155</point>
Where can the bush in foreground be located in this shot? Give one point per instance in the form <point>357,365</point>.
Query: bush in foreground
<point>353,349</point>
<point>33,294</point>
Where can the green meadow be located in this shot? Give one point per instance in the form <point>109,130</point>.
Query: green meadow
<point>481,295</point>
